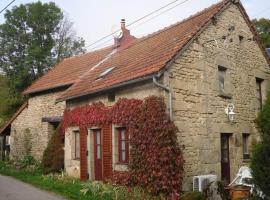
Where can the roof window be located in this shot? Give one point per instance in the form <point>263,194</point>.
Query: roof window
<point>105,72</point>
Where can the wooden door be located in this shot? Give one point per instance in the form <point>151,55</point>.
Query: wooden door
<point>225,158</point>
<point>97,154</point>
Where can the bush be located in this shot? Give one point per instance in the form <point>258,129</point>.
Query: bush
<point>53,157</point>
<point>260,165</point>
<point>260,162</point>
<point>60,177</point>
<point>193,196</point>
<point>107,191</point>
<point>156,159</point>
<point>263,121</point>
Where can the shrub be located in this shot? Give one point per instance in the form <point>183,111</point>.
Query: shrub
<point>53,156</point>
<point>193,196</point>
<point>263,121</point>
<point>260,162</point>
<point>156,159</point>
<point>156,162</point>
<point>260,165</point>
<point>60,177</point>
<point>121,178</point>
<point>107,191</point>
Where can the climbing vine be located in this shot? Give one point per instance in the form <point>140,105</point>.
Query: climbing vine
<point>156,161</point>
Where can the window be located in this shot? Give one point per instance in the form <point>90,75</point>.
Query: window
<point>7,140</point>
<point>77,144</point>
<point>221,77</point>
<point>98,143</point>
<point>123,145</point>
<point>111,97</point>
<point>245,146</point>
<point>104,73</point>
<point>259,93</point>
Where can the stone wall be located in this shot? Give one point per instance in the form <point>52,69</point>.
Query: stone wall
<point>136,91</point>
<point>28,131</point>
<point>199,104</point>
<point>72,165</point>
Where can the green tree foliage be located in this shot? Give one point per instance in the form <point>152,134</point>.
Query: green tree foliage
<point>33,38</point>
<point>3,98</point>
<point>260,163</point>
<point>263,28</point>
<point>260,166</point>
<point>8,103</point>
<point>263,121</point>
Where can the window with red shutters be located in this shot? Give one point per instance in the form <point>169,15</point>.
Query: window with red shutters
<point>123,145</point>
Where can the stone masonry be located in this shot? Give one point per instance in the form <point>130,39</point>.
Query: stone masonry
<point>72,166</point>
<point>28,132</point>
<point>198,102</point>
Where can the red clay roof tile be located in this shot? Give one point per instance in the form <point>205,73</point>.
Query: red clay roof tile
<point>68,71</point>
<point>145,56</point>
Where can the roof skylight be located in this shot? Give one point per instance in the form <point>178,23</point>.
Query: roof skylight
<point>105,72</point>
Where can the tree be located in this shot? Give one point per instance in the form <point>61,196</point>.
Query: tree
<point>263,28</point>
<point>260,162</point>
<point>8,103</point>
<point>67,43</point>
<point>33,38</point>
<point>260,165</point>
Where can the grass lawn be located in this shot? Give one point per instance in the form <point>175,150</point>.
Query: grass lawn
<point>70,190</point>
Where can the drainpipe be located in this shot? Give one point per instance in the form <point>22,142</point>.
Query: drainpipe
<point>168,90</point>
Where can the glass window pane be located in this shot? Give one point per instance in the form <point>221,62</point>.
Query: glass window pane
<point>225,156</point>
<point>123,155</point>
<point>245,144</point>
<point>221,74</point>
<point>98,137</point>
<point>123,145</point>
<point>98,152</point>
<point>77,145</point>
<point>259,93</point>
<point>123,134</point>
<point>224,143</point>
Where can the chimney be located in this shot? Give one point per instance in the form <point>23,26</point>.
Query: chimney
<point>126,39</point>
<point>123,24</point>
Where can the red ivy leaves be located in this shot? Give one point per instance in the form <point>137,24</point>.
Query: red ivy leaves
<point>156,161</point>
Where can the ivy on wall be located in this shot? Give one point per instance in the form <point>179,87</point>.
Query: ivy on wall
<point>53,156</point>
<point>156,161</point>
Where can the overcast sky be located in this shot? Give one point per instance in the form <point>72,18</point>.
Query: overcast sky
<point>94,19</point>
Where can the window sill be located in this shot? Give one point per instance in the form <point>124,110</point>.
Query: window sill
<point>122,163</point>
<point>225,95</point>
<point>121,167</point>
<point>246,157</point>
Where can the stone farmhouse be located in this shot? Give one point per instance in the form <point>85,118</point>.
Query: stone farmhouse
<point>202,65</point>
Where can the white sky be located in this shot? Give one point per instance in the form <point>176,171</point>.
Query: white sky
<point>94,19</point>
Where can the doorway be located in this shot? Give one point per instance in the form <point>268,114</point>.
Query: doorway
<point>225,158</point>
